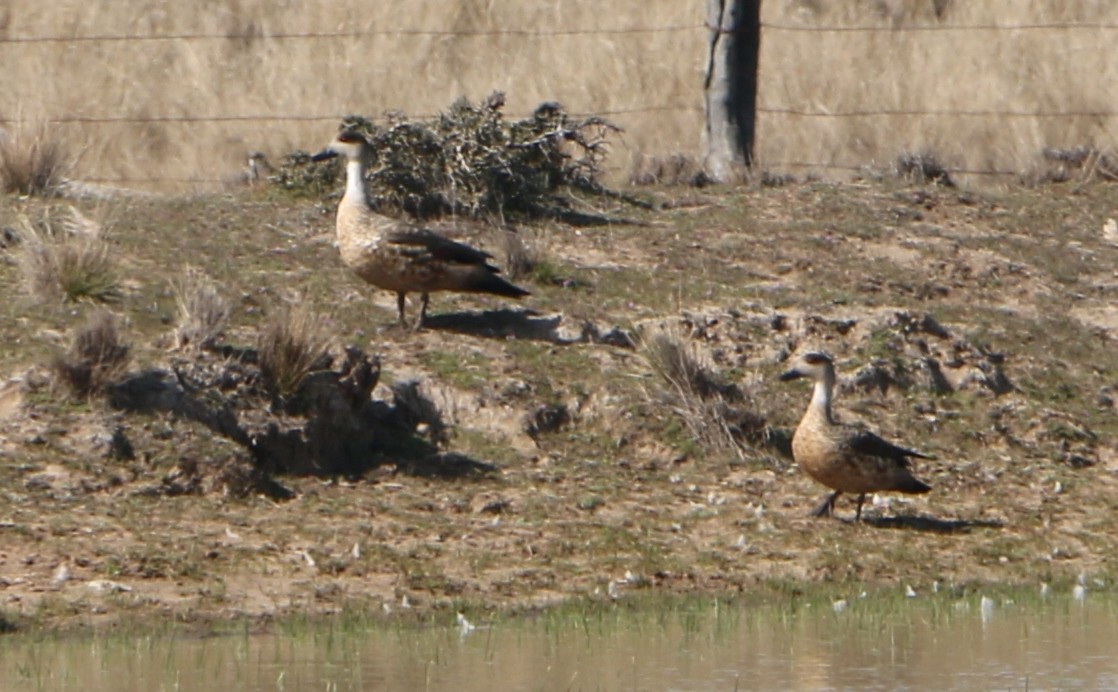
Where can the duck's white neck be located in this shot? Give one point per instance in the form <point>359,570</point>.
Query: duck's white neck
<point>821,396</point>
<point>355,183</point>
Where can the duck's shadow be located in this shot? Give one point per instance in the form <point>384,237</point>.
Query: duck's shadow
<point>524,324</point>
<point>931,524</point>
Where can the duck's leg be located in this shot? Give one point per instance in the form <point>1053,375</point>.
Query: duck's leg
<point>423,309</point>
<point>827,508</point>
<point>400,308</point>
<point>861,499</point>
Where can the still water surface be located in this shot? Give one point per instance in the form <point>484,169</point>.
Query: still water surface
<point>964,645</point>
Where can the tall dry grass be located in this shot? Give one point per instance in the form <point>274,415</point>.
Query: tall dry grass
<point>241,72</point>
<point>658,76</point>
<point>33,161</point>
<point>1028,71</point>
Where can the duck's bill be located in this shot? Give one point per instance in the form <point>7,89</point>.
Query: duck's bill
<point>324,154</point>
<point>791,375</point>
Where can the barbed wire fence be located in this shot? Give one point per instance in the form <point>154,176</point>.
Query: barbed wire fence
<point>769,30</point>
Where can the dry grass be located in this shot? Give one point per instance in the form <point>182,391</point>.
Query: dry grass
<point>97,358</point>
<point>522,253</point>
<point>241,72</point>
<point>68,259</point>
<point>947,74</point>
<point>649,82</point>
<point>716,413</point>
<point>202,311</point>
<point>291,346</point>
<point>33,161</point>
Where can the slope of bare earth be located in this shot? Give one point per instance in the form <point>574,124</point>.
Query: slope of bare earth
<point>977,326</point>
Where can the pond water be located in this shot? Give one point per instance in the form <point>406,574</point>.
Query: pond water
<point>907,644</point>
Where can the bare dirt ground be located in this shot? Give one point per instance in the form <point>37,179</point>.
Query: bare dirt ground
<point>979,326</point>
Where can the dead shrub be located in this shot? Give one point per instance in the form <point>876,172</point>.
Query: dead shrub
<point>97,358</point>
<point>469,160</point>
<point>291,347</point>
<point>719,415</point>
<point>33,163</point>
<point>202,311</point>
<point>68,259</point>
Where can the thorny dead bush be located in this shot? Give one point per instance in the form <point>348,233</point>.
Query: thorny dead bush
<point>33,163</point>
<point>202,311</point>
<point>68,259</point>
<point>718,414</point>
<point>98,357</point>
<point>469,160</point>
<point>291,347</point>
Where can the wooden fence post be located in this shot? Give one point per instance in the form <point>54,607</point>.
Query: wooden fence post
<point>731,85</point>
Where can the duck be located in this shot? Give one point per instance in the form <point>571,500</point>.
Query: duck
<point>845,458</point>
<point>397,256</point>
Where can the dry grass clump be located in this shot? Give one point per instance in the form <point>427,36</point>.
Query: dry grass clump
<point>469,160</point>
<point>202,311</point>
<point>97,358</point>
<point>1080,163</point>
<point>718,414</point>
<point>924,167</point>
<point>676,169</point>
<point>291,347</point>
<point>32,163</point>
<point>522,254</point>
<point>68,259</point>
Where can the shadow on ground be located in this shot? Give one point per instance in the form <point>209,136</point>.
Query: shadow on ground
<point>932,524</point>
<point>527,325</point>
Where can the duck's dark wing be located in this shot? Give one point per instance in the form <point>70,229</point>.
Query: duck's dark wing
<point>865,442</point>
<point>439,247</point>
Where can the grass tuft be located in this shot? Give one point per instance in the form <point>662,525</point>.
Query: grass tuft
<point>33,163</point>
<point>68,260</point>
<point>202,311</point>
<point>97,358</point>
<point>291,347</point>
<point>718,414</point>
<point>922,168</point>
<point>522,254</point>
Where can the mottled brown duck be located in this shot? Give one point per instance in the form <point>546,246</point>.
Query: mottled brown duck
<point>396,256</point>
<point>845,458</point>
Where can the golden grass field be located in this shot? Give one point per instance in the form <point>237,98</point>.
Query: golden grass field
<point>181,114</point>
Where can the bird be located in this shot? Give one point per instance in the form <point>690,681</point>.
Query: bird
<point>396,256</point>
<point>846,458</point>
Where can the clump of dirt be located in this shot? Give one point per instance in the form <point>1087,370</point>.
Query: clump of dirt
<point>329,425</point>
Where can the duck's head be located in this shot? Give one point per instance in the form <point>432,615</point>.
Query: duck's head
<point>349,143</point>
<point>814,364</point>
